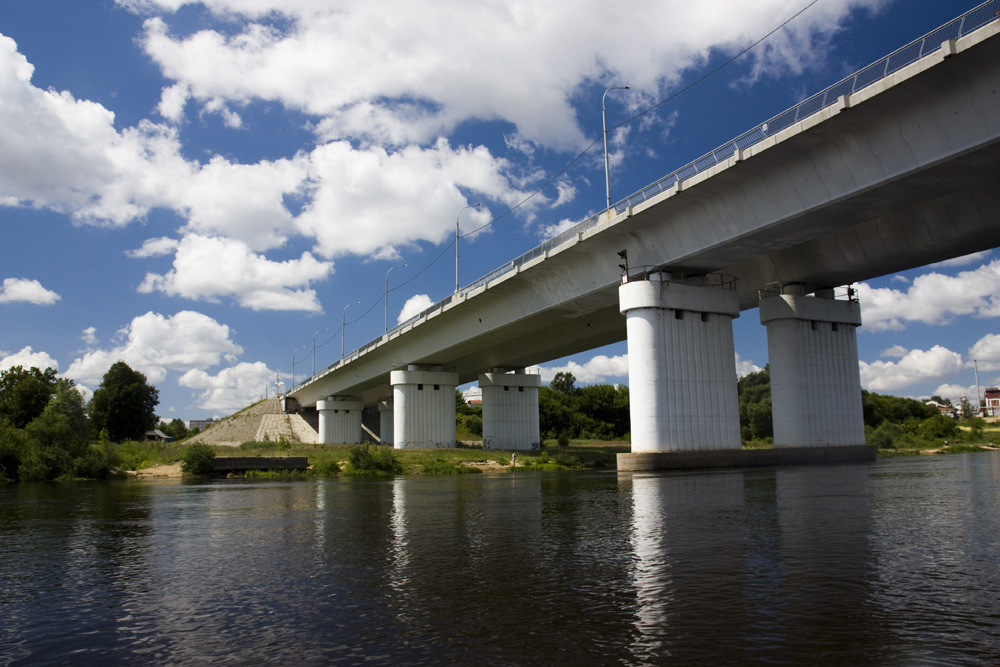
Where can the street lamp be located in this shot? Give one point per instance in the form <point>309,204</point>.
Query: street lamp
<point>343,326</point>
<point>314,347</point>
<point>300,347</point>
<point>456,241</point>
<point>400,266</point>
<point>604,117</point>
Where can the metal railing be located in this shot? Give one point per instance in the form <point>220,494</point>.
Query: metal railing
<point>840,293</point>
<point>684,276</point>
<point>959,27</point>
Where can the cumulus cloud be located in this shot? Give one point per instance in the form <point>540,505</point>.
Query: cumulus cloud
<point>154,344</point>
<point>896,351</point>
<point>26,358</point>
<point>402,72</point>
<point>955,392</point>
<point>231,388</point>
<point>916,366</point>
<point>209,268</point>
<point>745,367</point>
<point>413,306</point>
<point>597,369</point>
<point>89,336</point>
<point>933,298</point>
<point>986,352</point>
<point>22,289</point>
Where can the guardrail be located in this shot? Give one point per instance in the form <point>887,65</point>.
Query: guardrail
<point>971,20</point>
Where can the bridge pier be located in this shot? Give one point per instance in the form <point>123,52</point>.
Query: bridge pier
<point>815,382</point>
<point>682,375</point>
<point>510,410</point>
<point>423,400</point>
<point>339,420</point>
<point>385,420</point>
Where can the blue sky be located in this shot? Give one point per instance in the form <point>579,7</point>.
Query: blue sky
<point>198,188</point>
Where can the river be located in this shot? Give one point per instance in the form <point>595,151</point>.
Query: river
<point>889,563</point>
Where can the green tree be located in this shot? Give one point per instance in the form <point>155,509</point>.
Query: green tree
<point>563,383</point>
<point>176,429</point>
<point>124,404</point>
<point>25,393</point>
<point>754,392</point>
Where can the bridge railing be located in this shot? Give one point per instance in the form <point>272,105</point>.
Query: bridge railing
<point>842,293</point>
<point>971,20</point>
<point>685,276</point>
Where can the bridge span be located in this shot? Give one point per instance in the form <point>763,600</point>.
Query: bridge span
<point>893,168</point>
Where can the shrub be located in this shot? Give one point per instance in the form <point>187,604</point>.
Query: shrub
<point>198,459</point>
<point>326,468</point>
<point>563,439</point>
<point>938,426</point>
<point>442,467</point>
<point>367,460</point>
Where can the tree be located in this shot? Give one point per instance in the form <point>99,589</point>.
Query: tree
<point>176,429</point>
<point>754,391</point>
<point>563,383</point>
<point>25,393</point>
<point>124,404</point>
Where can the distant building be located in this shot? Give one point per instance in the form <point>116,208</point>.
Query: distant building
<point>992,401</point>
<point>157,434</point>
<point>201,424</point>
<point>946,410</point>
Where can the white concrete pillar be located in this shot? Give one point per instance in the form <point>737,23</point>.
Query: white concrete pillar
<point>812,350</point>
<point>423,400</point>
<point>339,420</point>
<point>385,421</point>
<point>681,365</point>
<point>510,410</point>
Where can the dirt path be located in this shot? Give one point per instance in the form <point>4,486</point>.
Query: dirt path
<point>171,470</point>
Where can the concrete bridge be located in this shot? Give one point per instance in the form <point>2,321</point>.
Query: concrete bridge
<point>895,167</point>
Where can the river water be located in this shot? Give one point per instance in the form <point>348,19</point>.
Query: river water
<point>889,563</point>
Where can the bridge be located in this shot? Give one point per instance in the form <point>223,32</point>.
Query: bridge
<point>892,168</point>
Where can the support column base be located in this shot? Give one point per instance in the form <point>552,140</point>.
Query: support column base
<point>740,458</point>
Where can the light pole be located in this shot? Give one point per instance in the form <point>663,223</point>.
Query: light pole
<point>604,117</point>
<point>400,266</point>
<point>300,347</point>
<point>343,325</point>
<point>314,347</point>
<point>457,236</point>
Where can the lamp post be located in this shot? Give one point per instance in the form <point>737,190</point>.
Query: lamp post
<point>457,236</point>
<point>604,117</point>
<point>300,347</point>
<point>343,326</point>
<point>400,266</point>
<point>314,347</point>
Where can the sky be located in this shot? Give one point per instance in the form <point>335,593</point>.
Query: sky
<point>208,190</point>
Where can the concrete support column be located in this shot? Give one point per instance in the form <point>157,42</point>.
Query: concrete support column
<point>385,421</point>
<point>510,410</point>
<point>339,420</point>
<point>423,407</point>
<point>681,365</point>
<point>815,382</point>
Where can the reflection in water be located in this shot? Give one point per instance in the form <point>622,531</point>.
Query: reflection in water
<point>894,562</point>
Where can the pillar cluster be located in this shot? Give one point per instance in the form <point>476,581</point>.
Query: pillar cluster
<point>339,420</point>
<point>815,381</point>
<point>682,375</point>
<point>423,407</point>
<point>510,410</point>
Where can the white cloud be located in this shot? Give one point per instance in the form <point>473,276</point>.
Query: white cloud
<point>955,392</point>
<point>933,298</point>
<point>208,268</point>
<point>22,289</point>
<point>986,352</point>
<point>26,358</point>
<point>155,248</point>
<point>89,336</point>
<point>376,198</point>
<point>231,388</point>
<point>897,351</point>
<point>745,367</point>
<point>153,344</point>
<point>404,71</point>
<point>916,366</point>
<point>597,369</point>
<point>413,306</point>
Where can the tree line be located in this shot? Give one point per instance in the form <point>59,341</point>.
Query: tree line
<point>48,432</point>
